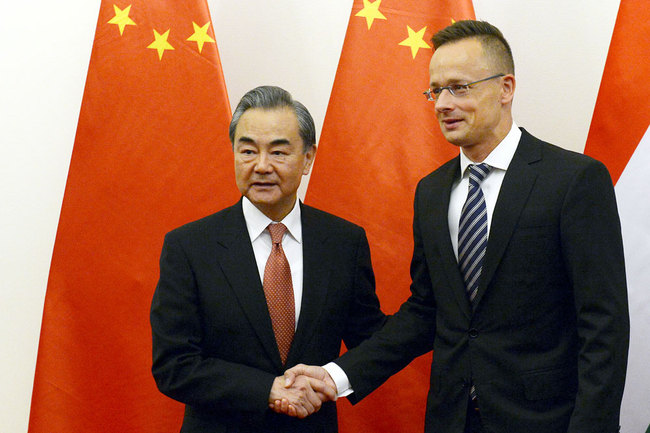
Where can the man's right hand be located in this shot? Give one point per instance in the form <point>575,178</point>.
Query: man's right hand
<point>301,395</point>
<point>306,388</point>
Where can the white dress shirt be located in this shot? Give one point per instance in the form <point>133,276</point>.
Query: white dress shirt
<point>256,223</point>
<point>499,159</point>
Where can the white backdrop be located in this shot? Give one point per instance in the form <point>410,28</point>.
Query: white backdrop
<point>559,47</point>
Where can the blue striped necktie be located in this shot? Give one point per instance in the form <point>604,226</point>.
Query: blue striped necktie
<point>472,230</point>
<point>472,235</point>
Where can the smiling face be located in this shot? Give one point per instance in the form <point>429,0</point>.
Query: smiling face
<point>270,159</point>
<point>478,121</point>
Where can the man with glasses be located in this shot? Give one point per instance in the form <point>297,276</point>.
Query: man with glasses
<point>518,272</point>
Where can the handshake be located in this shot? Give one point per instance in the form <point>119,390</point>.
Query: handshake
<point>302,391</point>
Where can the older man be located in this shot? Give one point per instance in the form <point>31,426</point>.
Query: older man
<point>260,286</point>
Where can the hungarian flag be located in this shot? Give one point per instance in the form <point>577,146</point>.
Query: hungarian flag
<point>379,138</point>
<point>151,153</point>
<point>619,137</point>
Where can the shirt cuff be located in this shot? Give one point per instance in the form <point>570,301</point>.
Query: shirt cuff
<point>340,379</point>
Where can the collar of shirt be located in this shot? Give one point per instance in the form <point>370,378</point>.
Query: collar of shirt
<point>499,159</point>
<point>257,222</point>
<point>501,156</point>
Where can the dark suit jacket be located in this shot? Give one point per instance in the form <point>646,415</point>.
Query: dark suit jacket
<point>213,343</point>
<point>546,344</point>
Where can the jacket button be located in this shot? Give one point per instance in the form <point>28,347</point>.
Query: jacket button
<point>473,333</point>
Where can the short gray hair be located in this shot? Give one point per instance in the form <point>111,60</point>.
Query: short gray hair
<point>269,97</point>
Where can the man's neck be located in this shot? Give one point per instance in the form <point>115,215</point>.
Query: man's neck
<point>478,152</point>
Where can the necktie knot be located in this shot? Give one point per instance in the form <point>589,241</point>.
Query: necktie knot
<point>478,172</point>
<point>277,232</point>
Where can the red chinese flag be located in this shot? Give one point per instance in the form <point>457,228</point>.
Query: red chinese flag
<point>151,152</point>
<point>380,137</point>
<point>620,137</point>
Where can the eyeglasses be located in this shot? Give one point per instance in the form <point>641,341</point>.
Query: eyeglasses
<point>455,89</point>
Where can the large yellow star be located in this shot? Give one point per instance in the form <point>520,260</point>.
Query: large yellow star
<point>415,40</point>
<point>200,35</point>
<point>160,43</point>
<point>121,18</point>
<point>370,12</point>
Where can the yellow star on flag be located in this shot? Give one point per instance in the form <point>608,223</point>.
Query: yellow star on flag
<point>160,43</point>
<point>371,12</point>
<point>415,40</point>
<point>200,35</point>
<point>121,18</point>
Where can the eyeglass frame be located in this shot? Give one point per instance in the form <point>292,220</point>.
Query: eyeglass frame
<point>429,93</point>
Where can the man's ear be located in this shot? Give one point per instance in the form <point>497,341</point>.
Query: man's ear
<point>508,89</point>
<point>309,159</point>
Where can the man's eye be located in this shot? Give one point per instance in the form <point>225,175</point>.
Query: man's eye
<point>459,88</point>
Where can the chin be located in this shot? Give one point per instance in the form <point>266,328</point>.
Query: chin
<point>454,139</point>
<point>263,203</point>
<point>261,199</point>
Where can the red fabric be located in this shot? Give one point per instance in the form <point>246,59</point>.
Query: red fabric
<point>380,136</point>
<point>621,115</point>
<point>151,152</point>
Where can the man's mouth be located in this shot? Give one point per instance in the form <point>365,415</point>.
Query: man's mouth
<point>263,184</point>
<point>451,123</point>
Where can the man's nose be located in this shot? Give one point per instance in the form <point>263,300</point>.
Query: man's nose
<point>444,100</point>
<point>263,163</point>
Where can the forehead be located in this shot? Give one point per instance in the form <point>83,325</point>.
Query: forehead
<point>461,60</point>
<point>261,124</point>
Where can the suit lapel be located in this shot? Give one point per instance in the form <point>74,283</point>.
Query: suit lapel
<point>316,256</point>
<point>435,220</point>
<point>237,261</point>
<point>515,189</point>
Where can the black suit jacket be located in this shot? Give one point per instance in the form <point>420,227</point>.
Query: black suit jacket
<point>213,343</point>
<point>546,343</point>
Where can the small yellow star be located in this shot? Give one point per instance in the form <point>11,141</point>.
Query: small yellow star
<point>121,18</point>
<point>160,43</point>
<point>415,40</point>
<point>200,35</point>
<point>370,12</point>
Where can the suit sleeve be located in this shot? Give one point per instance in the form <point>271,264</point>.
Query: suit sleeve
<point>593,253</point>
<point>180,368</point>
<point>364,315</point>
<point>407,334</point>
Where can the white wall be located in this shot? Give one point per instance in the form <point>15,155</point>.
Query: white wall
<point>559,47</point>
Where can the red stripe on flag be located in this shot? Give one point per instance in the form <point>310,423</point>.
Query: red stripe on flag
<point>151,152</point>
<point>380,136</point>
<point>622,111</point>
